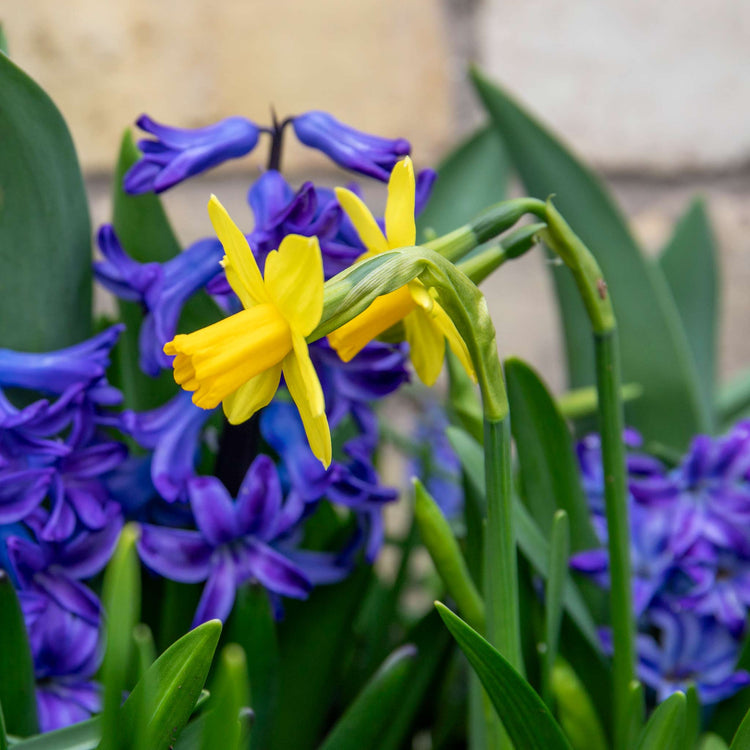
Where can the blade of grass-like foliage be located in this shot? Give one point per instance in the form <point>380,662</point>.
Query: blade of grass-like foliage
<point>228,697</point>
<point>692,716</point>
<point>172,687</point>
<point>531,541</point>
<point>690,266</point>
<point>549,471</point>
<point>146,234</point>
<point>575,710</point>
<point>45,236</point>
<point>121,598</point>
<point>655,350</point>
<point>17,685</point>
<point>357,729</point>
<point>473,176</point>
<point>464,407</point>
<point>145,649</point>
<point>558,568</point>
<point>251,625</point>
<point>636,712</point>
<point>525,718</point>
<point>665,729</point>
<point>82,736</point>
<point>741,739</point>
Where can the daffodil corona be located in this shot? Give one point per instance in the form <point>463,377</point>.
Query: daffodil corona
<point>426,324</point>
<point>238,361</point>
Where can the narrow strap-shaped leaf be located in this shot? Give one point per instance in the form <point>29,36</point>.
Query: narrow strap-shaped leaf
<point>174,681</point>
<point>357,728</point>
<point>531,541</point>
<point>230,695</point>
<point>553,609</point>
<point>3,735</point>
<point>463,398</point>
<point>711,741</point>
<point>443,548</point>
<point>575,710</point>
<point>144,648</point>
<point>665,729</point>
<point>741,739</point>
<point>473,176</point>
<point>45,236</point>
<point>690,265</point>
<point>636,713</point>
<point>692,716</point>
<point>17,686</point>
<point>122,600</point>
<point>82,736</point>
<point>549,471</point>
<point>655,351</point>
<point>526,719</point>
<point>252,626</point>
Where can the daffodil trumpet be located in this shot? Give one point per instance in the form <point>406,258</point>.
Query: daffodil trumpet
<point>239,361</point>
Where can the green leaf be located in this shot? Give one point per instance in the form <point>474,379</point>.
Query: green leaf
<point>655,350</point>
<point>251,624</point>
<point>549,471</point>
<point>473,176</point>
<point>144,230</point>
<point>665,729</point>
<point>168,691</point>
<point>464,406</point>
<point>3,40</point>
<point>525,718</point>
<point>690,265</point>
<point>553,610</point>
<point>372,708</point>
<point>575,710</point>
<point>741,739</point>
<point>121,597</point>
<point>636,712</point>
<point>45,236</point>
<point>711,741</point>
<point>531,540</point>
<point>733,400</point>
<point>3,734</point>
<point>82,736</point>
<point>228,697</point>
<point>692,716</point>
<point>17,685</point>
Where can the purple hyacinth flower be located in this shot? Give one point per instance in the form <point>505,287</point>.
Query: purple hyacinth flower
<point>172,431</point>
<point>689,649</point>
<point>54,372</point>
<point>178,153</point>
<point>235,543</point>
<point>64,701</point>
<point>161,288</point>
<point>349,148</point>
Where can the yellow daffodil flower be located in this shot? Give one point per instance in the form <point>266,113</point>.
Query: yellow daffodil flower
<point>239,360</point>
<point>426,324</point>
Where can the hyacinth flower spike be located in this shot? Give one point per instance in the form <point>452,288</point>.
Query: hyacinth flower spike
<point>239,360</point>
<point>426,324</point>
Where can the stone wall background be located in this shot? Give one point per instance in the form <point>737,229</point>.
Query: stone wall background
<point>655,95</point>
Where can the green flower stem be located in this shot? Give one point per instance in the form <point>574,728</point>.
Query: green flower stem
<point>588,276</point>
<point>485,226</point>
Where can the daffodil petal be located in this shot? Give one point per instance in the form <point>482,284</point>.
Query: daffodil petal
<point>294,279</point>
<point>364,222</point>
<point>458,346</point>
<point>426,345</point>
<point>384,312</point>
<point>400,228</point>
<point>240,266</point>
<point>252,396</point>
<point>304,387</point>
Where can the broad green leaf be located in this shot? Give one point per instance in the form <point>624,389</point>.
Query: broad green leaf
<point>690,265</point>
<point>45,236</point>
<point>172,686</point>
<point>655,350</point>
<point>575,710</point>
<point>229,696</point>
<point>553,610</point>
<point>473,176</point>
<point>251,624</point>
<point>711,741</point>
<point>314,637</point>
<point>144,230</point>
<point>665,729</point>
<point>531,540</point>
<point>741,739</point>
<point>372,708</point>
<point>121,598</point>
<point>17,684</point>
<point>550,477</point>
<point>82,736</point>
<point>525,718</point>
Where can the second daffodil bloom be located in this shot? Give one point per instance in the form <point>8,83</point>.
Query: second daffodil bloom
<point>239,360</point>
<point>426,324</point>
